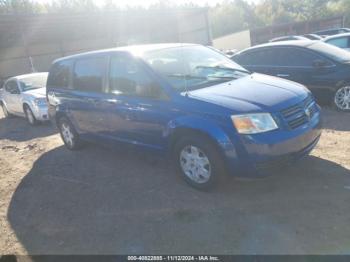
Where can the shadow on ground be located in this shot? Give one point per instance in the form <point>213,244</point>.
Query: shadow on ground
<point>18,129</point>
<point>335,120</point>
<point>99,201</point>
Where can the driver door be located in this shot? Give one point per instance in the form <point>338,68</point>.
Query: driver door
<point>138,109</point>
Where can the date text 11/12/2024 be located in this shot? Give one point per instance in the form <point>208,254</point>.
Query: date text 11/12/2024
<point>173,258</point>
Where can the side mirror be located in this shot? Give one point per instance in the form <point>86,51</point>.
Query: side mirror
<point>319,63</point>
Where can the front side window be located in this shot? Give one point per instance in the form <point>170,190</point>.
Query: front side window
<point>59,75</point>
<point>127,77</point>
<point>295,57</point>
<point>33,82</point>
<point>193,67</point>
<point>88,74</point>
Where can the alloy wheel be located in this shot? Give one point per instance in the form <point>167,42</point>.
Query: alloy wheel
<point>30,116</point>
<point>342,98</point>
<point>4,109</point>
<point>67,134</point>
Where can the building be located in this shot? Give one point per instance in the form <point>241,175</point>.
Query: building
<point>237,41</point>
<point>31,42</point>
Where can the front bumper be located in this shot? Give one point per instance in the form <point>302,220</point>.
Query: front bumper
<point>41,113</point>
<point>275,163</point>
<point>259,154</point>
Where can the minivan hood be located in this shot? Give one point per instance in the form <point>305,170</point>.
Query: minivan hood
<point>253,93</point>
<point>39,92</point>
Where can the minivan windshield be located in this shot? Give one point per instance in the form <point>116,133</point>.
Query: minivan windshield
<point>330,51</point>
<point>193,67</point>
<point>33,82</point>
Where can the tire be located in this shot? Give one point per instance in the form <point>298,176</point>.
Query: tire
<point>341,99</point>
<point>198,161</point>
<point>5,111</point>
<point>30,116</point>
<point>69,135</point>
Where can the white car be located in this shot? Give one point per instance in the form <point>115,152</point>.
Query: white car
<point>25,96</point>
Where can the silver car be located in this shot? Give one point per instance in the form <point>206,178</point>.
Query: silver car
<point>25,96</point>
<point>341,41</point>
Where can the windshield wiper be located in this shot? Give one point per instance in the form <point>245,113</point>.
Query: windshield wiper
<point>222,77</point>
<point>202,77</point>
<point>31,88</point>
<point>224,68</point>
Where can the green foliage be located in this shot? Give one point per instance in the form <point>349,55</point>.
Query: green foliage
<point>19,6</point>
<point>231,16</point>
<point>341,6</point>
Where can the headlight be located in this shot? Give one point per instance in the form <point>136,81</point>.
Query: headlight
<point>254,123</point>
<point>40,101</point>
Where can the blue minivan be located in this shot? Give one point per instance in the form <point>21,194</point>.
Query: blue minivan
<point>212,115</point>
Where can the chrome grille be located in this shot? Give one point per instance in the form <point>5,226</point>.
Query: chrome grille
<point>295,115</point>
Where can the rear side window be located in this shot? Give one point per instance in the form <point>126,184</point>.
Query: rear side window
<point>60,74</point>
<point>293,57</point>
<point>12,87</point>
<point>88,74</point>
<point>297,57</point>
<point>283,56</point>
<point>342,42</point>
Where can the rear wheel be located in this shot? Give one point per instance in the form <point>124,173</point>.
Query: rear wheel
<point>198,161</point>
<point>30,116</point>
<point>68,134</point>
<point>5,111</point>
<point>342,99</point>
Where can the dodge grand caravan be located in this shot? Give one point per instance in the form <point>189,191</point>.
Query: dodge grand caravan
<point>212,115</point>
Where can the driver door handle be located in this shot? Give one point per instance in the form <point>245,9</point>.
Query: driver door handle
<point>113,101</point>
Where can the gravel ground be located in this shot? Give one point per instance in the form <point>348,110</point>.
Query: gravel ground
<point>102,201</point>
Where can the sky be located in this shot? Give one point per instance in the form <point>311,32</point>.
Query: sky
<point>146,3</point>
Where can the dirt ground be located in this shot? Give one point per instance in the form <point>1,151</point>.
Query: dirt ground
<point>99,201</point>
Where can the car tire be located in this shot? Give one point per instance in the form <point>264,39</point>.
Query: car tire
<point>198,161</point>
<point>29,115</point>
<point>341,99</point>
<point>5,111</point>
<point>69,135</point>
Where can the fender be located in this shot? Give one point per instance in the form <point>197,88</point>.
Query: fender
<point>27,101</point>
<point>202,125</point>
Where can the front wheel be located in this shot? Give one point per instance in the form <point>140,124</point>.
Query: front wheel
<point>68,134</point>
<point>30,116</point>
<point>198,161</point>
<point>342,99</point>
<point>5,111</point>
